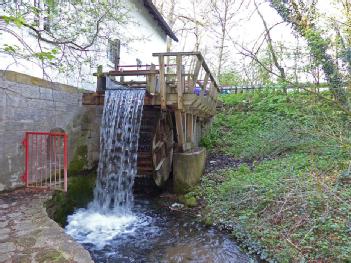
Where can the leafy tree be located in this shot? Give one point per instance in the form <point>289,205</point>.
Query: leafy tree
<point>230,78</point>
<point>302,16</point>
<point>67,33</point>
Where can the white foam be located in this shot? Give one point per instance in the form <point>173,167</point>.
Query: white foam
<point>90,227</point>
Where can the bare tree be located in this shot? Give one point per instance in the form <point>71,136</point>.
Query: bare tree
<point>302,17</point>
<point>268,38</point>
<point>223,13</point>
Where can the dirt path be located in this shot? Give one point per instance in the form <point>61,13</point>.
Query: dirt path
<point>220,161</point>
<point>27,234</point>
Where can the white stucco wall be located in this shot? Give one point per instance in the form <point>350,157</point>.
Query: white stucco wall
<point>143,36</point>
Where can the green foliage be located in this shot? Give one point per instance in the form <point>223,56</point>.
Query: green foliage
<point>47,55</point>
<point>10,48</point>
<point>230,78</point>
<point>292,201</point>
<point>18,20</point>
<point>72,28</point>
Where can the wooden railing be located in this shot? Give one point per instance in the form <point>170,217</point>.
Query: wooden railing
<point>191,75</point>
<point>179,79</point>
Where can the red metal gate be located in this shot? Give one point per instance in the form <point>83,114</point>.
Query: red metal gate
<point>45,160</point>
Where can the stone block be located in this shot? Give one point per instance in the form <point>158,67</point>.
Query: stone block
<point>187,169</point>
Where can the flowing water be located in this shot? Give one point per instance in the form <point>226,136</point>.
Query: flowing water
<point>110,211</point>
<point>115,230</point>
<point>118,150</point>
<point>157,234</point>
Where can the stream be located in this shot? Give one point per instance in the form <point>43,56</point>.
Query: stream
<point>151,234</point>
<point>120,227</point>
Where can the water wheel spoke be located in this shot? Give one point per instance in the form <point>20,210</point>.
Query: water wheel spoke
<point>163,149</point>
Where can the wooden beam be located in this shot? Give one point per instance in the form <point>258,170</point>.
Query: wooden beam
<point>176,54</point>
<point>132,72</point>
<point>195,137</point>
<point>163,91</point>
<point>197,69</point>
<point>189,127</point>
<point>179,127</point>
<point>151,81</point>
<point>180,83</point>
<point>207,75</point>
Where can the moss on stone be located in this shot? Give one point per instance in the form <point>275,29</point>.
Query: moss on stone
<point>188,199</point>
<point>80,158</point>
<point>50,255</point>
<point>79,194</point>
<point>208,221</point>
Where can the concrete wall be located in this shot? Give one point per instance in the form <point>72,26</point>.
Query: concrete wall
<point>32,104</point>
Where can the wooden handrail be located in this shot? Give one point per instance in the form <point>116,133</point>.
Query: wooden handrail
<point>199,57</point>
<point>173,54</point>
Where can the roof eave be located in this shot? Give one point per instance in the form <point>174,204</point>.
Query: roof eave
<point>161,21</point>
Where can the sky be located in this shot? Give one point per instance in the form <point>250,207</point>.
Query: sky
<point>247,29</point>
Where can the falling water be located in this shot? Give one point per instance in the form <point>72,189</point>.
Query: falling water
<point>118,149</point>
<point>109,214</point>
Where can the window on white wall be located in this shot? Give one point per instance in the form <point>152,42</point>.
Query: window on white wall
<point>114,51</point>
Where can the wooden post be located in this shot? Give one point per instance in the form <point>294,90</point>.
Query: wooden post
<point>189,128</point>
<point>195,136</point>
<point>207,75</point>
<point>180,83</point>
<point>163,91</point>
<point>185,116</point>
<point>180,131</point>
<point>151,81</point>
<point>197,70</point>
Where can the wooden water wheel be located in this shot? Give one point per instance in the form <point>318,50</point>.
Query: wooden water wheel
<point>155,153</point>
<point>162,149</point>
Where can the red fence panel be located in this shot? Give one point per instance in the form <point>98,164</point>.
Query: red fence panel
<point>45,160</point>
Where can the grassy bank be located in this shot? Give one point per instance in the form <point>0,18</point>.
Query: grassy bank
<point>294,201</point>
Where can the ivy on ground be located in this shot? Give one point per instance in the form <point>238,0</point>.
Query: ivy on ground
<point>293,201</point>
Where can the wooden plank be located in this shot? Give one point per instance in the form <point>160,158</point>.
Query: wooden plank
<point>163,91</point>
<point>180,83</point>
<point>132,72</point>
<point>179,127</point>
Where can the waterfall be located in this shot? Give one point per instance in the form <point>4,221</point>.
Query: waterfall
<point>118,148</point>
<point>109,214</point>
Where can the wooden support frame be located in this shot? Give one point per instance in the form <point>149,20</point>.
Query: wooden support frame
<point>198,65</point>
<point>180,130</point>
<point>174,91</point>
<point>151,81</point>
<point>204,84</point>
<point>189,128</point>
<point>180,82</point>
<point>163,88</point>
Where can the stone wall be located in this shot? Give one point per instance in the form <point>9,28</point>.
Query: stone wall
<point>32,104</point>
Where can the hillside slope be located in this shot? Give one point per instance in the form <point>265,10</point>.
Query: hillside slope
<point>291,195</point>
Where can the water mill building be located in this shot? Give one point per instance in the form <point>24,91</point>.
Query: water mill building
<point>180,100</point>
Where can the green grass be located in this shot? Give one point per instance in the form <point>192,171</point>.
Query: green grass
<point>292,203</point>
